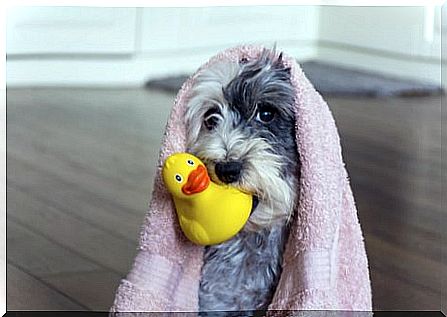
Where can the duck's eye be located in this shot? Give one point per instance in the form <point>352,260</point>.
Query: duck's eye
<point>211,118</point>
<point>190,162</point>
<point>266,114</point>
<point>178,178</point>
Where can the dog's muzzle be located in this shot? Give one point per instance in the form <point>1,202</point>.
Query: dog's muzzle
<point>228,172</point>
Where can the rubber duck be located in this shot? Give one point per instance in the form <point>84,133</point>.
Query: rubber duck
<point>208,213</point>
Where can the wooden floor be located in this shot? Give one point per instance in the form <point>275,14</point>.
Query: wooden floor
<point>79,172</point>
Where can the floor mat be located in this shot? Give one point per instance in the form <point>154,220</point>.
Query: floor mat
<point>332,80</point>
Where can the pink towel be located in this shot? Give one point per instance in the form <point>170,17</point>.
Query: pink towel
<point>325,265</point>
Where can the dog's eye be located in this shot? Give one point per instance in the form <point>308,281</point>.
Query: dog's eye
<point>211,119</point>
<point>266,114</point>
<point>211,122</point>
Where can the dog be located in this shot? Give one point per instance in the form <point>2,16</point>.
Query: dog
<point>241,124</point>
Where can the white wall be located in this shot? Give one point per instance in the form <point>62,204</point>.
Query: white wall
<point>126,46</point>
<point>70,30</point>
<point>401,41</point>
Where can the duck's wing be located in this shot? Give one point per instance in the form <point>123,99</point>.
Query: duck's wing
<point>194,231</point>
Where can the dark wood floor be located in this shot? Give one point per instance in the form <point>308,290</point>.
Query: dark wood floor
<point>79,170</point>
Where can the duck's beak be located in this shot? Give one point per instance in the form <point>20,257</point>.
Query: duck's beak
<point>197,182</point>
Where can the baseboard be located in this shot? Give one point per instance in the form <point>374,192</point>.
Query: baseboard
<point>135,70</point>
<point>126,70</point>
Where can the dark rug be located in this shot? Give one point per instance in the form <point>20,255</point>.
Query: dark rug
<point>331,80</point>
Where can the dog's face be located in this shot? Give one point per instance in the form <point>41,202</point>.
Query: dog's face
<point>241,123</point>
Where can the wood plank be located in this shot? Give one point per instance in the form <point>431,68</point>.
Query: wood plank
<point>404,235</point>
<point>71,233</point>
<point>24,292</point>
<point>119,141</point>
<point>76,200</point>
<point>382,204</point>
<point>391,293</point>
<point>96,289</point>
<point>40,256</point>
<point>133,197</point>
<point>416,270</point>
<point>121,166</point>
<point>99,117</point>
<point>83,158</point>
<point>409,127</point>
<point>383,159</point>
<point>392,150</point>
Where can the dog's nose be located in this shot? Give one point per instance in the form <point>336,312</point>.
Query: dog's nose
<point>228,172</point>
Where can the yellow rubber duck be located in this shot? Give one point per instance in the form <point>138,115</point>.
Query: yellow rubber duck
<point>208,213</point>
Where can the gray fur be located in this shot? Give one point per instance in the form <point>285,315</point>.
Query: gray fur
<point>242,273</point>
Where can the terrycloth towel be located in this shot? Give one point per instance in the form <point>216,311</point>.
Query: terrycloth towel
<point>325,265</point>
